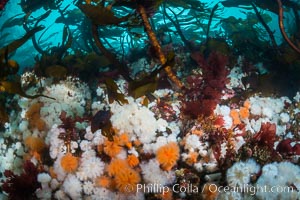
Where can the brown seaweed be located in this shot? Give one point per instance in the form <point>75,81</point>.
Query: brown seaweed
<point>148,84</point>
<point>13,21</point>
<point>100,15</point>
<point>8,67</point>
<point>3,115</point>
<point>100,120</point>
<point>142,87</point>
<point>157,47</point>
<point>16,88</point>
<point>56,71</point>
<point>113,92</point>
<point>19,42</point>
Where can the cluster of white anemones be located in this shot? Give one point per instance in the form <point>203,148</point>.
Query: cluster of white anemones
<point>11,156</point>
<point>79,184</point>
<point>138,121</point>
<point>282,179</point>
<point>240,173</point>
<point>269,110</point>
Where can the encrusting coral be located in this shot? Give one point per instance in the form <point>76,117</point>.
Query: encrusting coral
<point>234,114</point>
<point>210,191</point>
<point>36,147</point>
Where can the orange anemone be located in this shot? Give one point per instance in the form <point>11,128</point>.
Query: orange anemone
<point>35,144</point>
<point>244,112</point>
<point>126,180</point>
<point>247,104</point>
<point>69,163</point>
<point>104,181</point>
<point>168,155</point>
<point>112,148</point>
<point>234,114</point>
<point>115,165</point>
<point>132,160</point>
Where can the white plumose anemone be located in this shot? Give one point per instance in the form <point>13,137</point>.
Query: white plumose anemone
<point>72,187</point>
<point>278,178</point>
<point>240,173</point>
<point>153,174</point>
<point>90,168</point>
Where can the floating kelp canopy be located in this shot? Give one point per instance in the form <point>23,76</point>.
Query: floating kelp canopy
<point>122,30</point>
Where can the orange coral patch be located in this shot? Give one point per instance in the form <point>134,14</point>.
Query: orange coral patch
<point>192,158</point>
<point>37,156</point>
<point>69,163</point>
<point>35,144</point>
<point>124,138</point>
<point>112,148</point>
<point>168,195</point>
<point>104,181</point>
<point>115,166</point>
<point>235,116</point>
<point>247,104</point>
<point>34,117</point>
<point>137,143</point>
<point>126,180</point>
<point>198,132</point>
<point>168,155</point>
<point>244,112</point>
<point>52,172</point>
<point>132,160</point>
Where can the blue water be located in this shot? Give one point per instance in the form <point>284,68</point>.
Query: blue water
<point>193,29</point>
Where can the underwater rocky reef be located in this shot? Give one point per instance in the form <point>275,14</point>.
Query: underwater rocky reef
<point>149,99</point>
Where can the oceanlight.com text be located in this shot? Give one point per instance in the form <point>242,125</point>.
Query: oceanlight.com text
<point>190,188</point>
<point>250,189</point>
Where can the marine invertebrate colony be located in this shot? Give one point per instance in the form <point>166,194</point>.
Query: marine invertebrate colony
<point>69,163</point>
<point>168,155</point>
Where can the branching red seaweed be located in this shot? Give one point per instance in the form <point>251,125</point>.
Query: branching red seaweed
<point>21,187</point>
<point>285,148</point>
<point>204,93</point>
<point>261,145</point>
